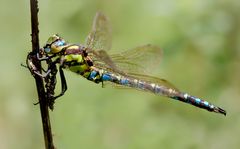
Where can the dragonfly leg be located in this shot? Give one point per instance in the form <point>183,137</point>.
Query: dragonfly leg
<point>51,97</point>
<point>25,66</point>
<point>44,58</point>
<point>42,75</point>
<point>63,83</point>
<point>33,69</point>
<point>102,85</point>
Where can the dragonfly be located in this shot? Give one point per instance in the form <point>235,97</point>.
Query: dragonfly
<point>127,69</point>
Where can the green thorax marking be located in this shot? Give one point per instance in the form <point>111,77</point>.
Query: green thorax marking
<point>76,60</point>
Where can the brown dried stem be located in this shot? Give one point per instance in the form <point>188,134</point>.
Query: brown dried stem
<point>39,81</point>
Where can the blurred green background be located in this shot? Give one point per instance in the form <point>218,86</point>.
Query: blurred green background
<point>201,43</point>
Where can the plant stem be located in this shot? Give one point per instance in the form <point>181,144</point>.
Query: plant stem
<point>39,81</point>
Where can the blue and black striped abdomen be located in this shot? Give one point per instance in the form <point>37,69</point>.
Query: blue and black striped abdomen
<point>153,88</point>
<point>184,97</point>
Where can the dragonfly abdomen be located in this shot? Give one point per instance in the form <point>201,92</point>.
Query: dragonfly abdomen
<point>136,83</point>
<point>160,90</point>
<point>184,97</point>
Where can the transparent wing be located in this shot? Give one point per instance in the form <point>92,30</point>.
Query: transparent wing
<point>136,63</point>
<point>100,36</point>
<point>155,80</point>
<point>140,60</point>
<point>102,60</point>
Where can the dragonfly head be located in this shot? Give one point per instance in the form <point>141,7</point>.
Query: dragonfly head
<point>54,44</point>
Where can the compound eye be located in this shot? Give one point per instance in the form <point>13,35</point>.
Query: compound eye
<point>60,43</point>
<point>47,49</point>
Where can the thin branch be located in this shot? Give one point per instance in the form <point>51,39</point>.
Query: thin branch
<point>39,81</point>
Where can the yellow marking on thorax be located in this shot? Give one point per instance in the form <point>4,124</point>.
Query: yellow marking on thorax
<point>56,49</point>
<point>78,68</point>
<point>73,57</point>
<point>73,47</point>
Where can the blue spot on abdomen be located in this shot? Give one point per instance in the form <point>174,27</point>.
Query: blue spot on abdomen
<point>206,103</point>
<point>106,77</point>
<point>198,101</point>
<point>124,81</point>
<point>92,75</point>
